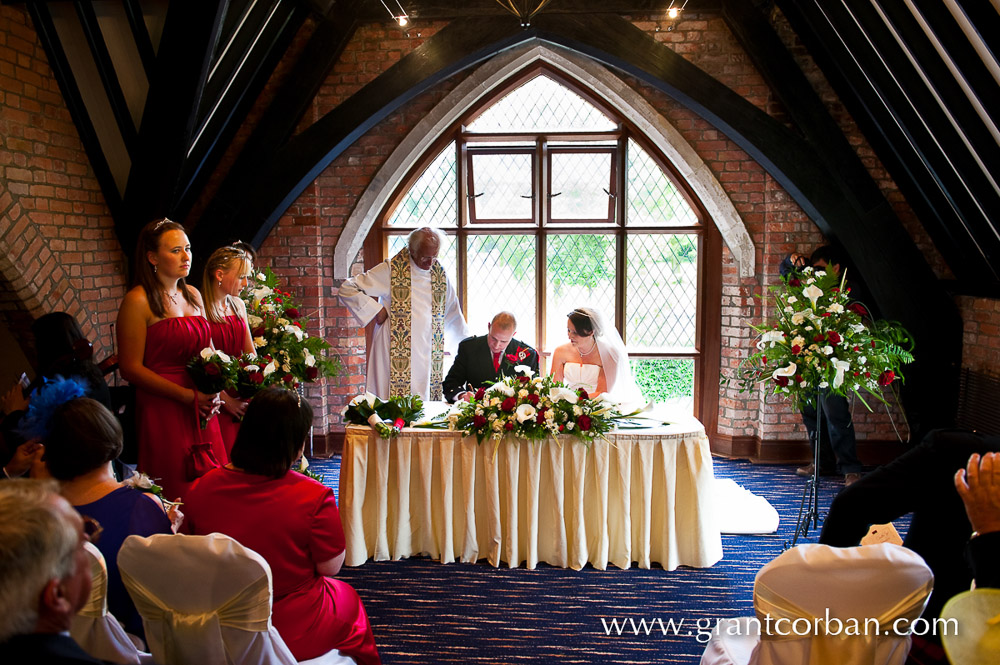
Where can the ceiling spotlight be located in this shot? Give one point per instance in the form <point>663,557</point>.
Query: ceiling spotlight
<point>674,11</point>
<point>401,18</point>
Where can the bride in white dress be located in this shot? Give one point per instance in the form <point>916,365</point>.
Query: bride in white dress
<point>595,359</point>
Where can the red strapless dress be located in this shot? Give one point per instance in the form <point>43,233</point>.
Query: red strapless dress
<point>228,337</point>
<point>167,428</point>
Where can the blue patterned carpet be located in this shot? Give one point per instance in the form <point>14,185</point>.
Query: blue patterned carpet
<point>425,612</point>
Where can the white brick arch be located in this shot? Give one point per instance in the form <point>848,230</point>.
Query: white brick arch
<point>587,73</point>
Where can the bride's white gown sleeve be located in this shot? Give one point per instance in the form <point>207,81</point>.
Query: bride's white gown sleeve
<point>366,294</point>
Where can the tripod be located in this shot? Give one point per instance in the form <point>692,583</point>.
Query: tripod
<point>809,506</point>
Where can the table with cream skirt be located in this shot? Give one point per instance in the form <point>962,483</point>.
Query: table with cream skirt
<point>642,495</point>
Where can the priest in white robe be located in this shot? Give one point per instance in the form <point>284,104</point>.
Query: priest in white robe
<point>416,312</point>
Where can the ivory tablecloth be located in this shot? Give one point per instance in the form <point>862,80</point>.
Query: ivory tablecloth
<point>642,495</point>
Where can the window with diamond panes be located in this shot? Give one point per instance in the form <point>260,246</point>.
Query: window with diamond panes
<point>580,272</point>
<point>506,280</point>
<point>431,201</point>
<point>544,221</point>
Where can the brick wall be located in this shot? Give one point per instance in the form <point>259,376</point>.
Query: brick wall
<point>58,249</point>
<point>981,343</point>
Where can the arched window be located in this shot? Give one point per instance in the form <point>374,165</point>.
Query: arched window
<point>549,201</point>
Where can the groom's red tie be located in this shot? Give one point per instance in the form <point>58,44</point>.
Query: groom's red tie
<point>496,362</point>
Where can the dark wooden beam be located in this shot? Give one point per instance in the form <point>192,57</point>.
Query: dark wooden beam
<point>222,223</point>
<point>189,35</point>
<point>106,70</point>
<point>910,143</point>
<point>140,34</point>
<point>239,93</point>
<point>444,9</point>
<point>49,37</point>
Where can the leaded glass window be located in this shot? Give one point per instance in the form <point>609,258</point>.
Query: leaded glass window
<point>550,202</point>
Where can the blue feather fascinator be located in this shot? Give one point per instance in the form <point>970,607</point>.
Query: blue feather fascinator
<point>50,396</point>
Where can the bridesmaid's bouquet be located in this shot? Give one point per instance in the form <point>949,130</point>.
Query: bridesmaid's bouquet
<point>248,377</point>
<point>211,371</point>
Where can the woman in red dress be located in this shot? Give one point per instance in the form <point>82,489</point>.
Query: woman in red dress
<point>226,275</point>
<point>161,327</point>
<point>290,520</point>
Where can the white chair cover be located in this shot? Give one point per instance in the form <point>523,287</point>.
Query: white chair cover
<point>203,599</point>
<point>971,632</point>
<point>865,589</point>
<point>97,632</point>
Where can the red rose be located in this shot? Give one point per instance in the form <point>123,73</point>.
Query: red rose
<point>288,378</point>
<point>212,369</point>
<point>798,378</point>
<point>781,380</point>
<point>583,394</point>
<point>794,282</point>
<point>292,313</point>
<point>522,379</point>
<point>262,365</point>
<point>480,394</point>
<point>478,421</point>
<point>312,373</point>
<point>835,290</point>
<point>873,344</point>
<point>540,418</point>
<point>833,336</point>
<point>258,331</point>
<point>255,378</point>
<point>868,375</point>
<point>562,428</point>
<point>278,300</point>
<point>796,349</point>
<point>297,325</point>
<point>508,404</point>
<point>508,425</point>
<point>533,398</point>
<point>399,422</point>
<point>827,314</point>
<point>857,348</point>
<point>858,309</point>
<point>886,377</point>
<point>764,358</point>
<point>583,422</point>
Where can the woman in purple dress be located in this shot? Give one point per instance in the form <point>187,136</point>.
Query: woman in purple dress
<point>227,273</point>
<point>83,438</point>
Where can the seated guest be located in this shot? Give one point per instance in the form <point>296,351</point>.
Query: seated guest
<point>83,437</point>
<point>44,574</point>
<point>483,359</point>
<point>595,359</point>
<point>290,520</point>
<point>922,482</point>
<point>979,487</point>
<point>61,349</point>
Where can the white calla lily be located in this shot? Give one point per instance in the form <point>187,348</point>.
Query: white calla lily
<point>525,412</point>
<point>841,366</point>
<point>812,292</point>
<point>785,371</point>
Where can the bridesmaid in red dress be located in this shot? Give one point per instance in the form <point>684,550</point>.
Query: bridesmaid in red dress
<point>292,521</point>
<point>161,327</point>
<point>226,275</point>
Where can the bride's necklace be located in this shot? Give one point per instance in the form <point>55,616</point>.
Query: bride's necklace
<point>582,354</point>
<point>172,296</point>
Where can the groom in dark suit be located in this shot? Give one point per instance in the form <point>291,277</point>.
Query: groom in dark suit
<point>484,359</point>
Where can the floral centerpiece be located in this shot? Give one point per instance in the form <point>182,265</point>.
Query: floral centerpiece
<point>279,334</point>
<point>388,418</point>
<point>822,339</point>
<point>532,408</point>
<point>210,371</point>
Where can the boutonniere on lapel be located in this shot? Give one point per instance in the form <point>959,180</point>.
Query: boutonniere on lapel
<point>519,357</point>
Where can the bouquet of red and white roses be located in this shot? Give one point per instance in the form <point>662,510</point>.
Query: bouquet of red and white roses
<point>533,408</point>
<point>822,339</point>
<point>211,372</point>
<point>388,418</point>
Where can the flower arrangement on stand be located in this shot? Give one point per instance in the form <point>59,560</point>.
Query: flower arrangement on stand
<point>821,339</point>
<point>280,337</point>
<point>532,408</point>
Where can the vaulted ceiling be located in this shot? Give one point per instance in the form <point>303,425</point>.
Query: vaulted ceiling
<point>158,90</point>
